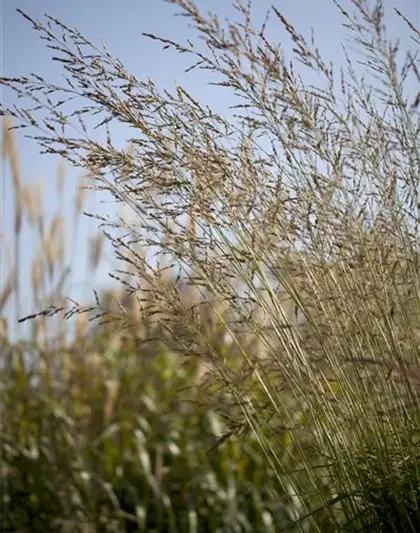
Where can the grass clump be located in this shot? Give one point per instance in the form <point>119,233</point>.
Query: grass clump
<point>295,224</point>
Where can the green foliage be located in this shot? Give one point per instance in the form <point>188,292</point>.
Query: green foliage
<point>111,444</point>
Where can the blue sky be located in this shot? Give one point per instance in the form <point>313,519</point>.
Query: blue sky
<point>119,25</point>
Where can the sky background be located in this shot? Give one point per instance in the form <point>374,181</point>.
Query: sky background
<point>120,25</point>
